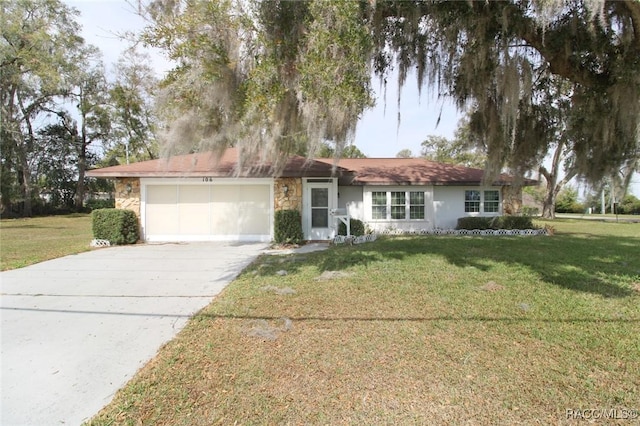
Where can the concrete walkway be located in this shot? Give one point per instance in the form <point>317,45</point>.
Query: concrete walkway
<point>74,330</point>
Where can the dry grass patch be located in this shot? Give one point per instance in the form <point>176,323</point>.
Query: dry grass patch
<point>405,336</point>
<point>32,240</point>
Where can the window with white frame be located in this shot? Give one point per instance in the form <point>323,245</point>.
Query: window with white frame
<point>378,205</point>
<point>471,201</point>
<point>485,201</point>
<point>491,201</point>
<point>397,205</point>
<point>416,205</point>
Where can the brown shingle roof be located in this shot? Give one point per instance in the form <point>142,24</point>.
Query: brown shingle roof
<point>411,171</point>
<point>351,171</point>
<point>207,164</point>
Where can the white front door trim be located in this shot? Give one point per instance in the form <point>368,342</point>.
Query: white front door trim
<point>308,186</point>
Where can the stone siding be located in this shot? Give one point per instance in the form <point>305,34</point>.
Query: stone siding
<point>125,199</point>
<point>291,199</point>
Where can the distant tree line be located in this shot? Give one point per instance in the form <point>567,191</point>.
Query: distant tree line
<point>62,113</point>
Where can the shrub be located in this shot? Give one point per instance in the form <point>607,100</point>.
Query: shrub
<point>629,205</point>
<point>357,228</point>
<point>567,202</point>
<point>515,222</point>
<point>115,225</point>
<point>474,222</point>
<point>497,222</point>
<point>530,211</point>
<point>95,204</point>
<point>288,227</point>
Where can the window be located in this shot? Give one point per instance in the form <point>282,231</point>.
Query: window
<point>319,208</point>
<point>485,201</point>
<point>416,205</point>
<point>378,205</point>
<point>471,201</point>
<point>397,205</point>
<point>491,201</point>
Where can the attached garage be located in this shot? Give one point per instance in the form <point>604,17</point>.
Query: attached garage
<point>202,210</point>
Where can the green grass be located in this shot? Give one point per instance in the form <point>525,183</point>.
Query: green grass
<point>410,330</point>
<point>27,241</point>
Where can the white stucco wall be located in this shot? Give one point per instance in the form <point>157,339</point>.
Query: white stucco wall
<point>352,196</point>
<point>448,204</point>
<point>443,206</point>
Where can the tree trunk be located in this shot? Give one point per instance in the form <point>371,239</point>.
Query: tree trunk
<point>549,202</point>
<point>24,177</point>
<point>81,187</point>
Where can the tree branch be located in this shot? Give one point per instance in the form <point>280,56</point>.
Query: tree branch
<point>560,63</point>
<point>634,12</point>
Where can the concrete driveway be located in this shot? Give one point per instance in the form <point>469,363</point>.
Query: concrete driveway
<point>76,329</point>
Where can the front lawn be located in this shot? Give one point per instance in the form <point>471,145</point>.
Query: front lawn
<point>27,241</point>
<point>410,330</point>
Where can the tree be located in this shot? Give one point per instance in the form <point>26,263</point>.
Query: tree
<point>89,94</point>
<point>36,54</point>
<point>555,97</point>
<point>462,150</point>
<point>404,153</point>
<point>489,55</point>
<point>350,151</point>
<point>270,71</point>
<point>55,172</point>
<point>630,204</point>
<point>134,123</point>
<point>443,150</point>
<point>567,201</point>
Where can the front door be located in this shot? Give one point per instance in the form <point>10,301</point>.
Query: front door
<point>319,202</point>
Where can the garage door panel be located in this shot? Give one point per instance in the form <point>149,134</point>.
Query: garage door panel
<point>162,210</point>
<point>194,210</point>
<point>253,210</point>
<point>225,210</point>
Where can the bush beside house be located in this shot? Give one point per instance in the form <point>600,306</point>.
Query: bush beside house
<point>287,227</point>
<point>356,225</point>
<point>115,225</point>
<point>498,222</point>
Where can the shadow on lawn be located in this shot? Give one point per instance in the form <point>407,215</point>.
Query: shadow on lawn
<point>592,264</point>
<point>472,318</point>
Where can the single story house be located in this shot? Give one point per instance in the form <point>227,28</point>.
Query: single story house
<point>200,197</point>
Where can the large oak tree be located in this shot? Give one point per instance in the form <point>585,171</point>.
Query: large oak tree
<point>265,74</point>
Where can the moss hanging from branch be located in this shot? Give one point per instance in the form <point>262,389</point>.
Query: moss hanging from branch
<point>266,75</point>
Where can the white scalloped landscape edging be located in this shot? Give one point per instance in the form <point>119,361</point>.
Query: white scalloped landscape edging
<point>342,239</point>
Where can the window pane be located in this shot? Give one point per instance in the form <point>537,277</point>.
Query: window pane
<point>472,206</point>
<point>379,198</point>
<point>379,212</point>
<point>416,212</point>
<point>491,196</point>
<point>416,198</point>
<point>472,195</point>
<point>472,201</point>
<point>319,197</point>
<point>398,212</point>
<point>397,198</point>
<point>491,201</point>
<point>491,207</point>
<point>319,218</point>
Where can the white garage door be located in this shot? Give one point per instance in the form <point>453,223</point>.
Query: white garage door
<point>207,212</point>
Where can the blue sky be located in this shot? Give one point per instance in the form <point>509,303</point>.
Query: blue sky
<point>377,133</point>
